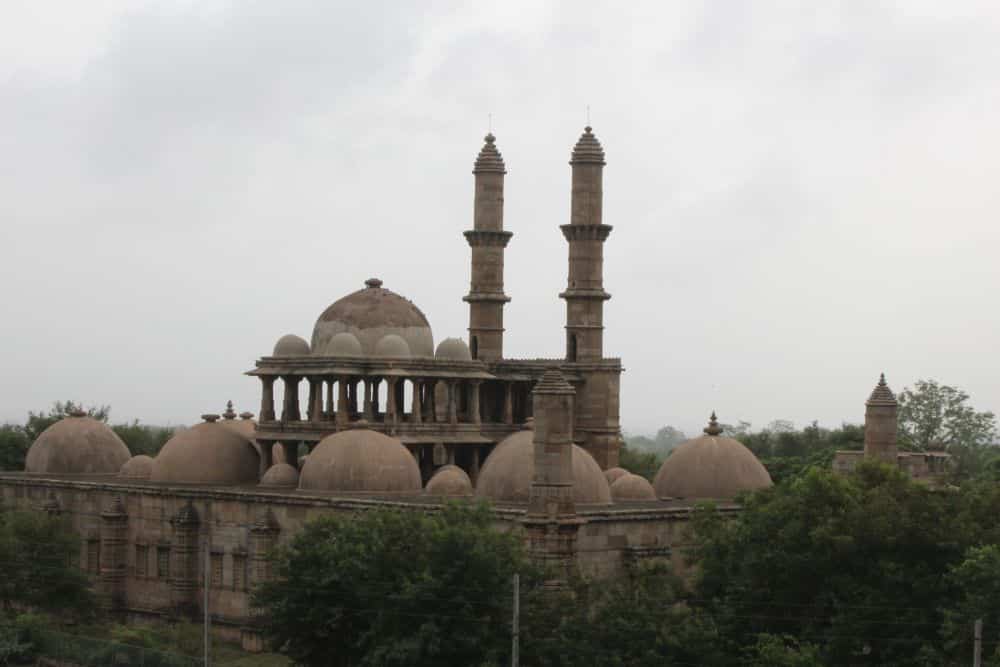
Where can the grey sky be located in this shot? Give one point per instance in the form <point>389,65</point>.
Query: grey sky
<point>802,196</point>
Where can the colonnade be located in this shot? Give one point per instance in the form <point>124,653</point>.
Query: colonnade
<point>346,399</point>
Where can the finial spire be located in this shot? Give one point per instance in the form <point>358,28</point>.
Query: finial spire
<point>229,413</point>
<point>588,149</point>
<point>489,159</point>
<point>881,395</point>
<point>713,427</point>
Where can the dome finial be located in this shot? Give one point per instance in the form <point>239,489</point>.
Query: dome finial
<point>373,283</point>
<point>229,413</point>
<point>210,418</point>
<point>713,427</point>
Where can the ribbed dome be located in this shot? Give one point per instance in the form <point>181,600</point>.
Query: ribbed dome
<point>280,474</point>
<point>343,345</point>
<point>632,487</point>
<point>137,467</point>
<point>291,345</point>
<point>711,466</point>
<point>372,313</point>
<point>449,480</point>
<point>588,149</point>
<point>506,475</point>
<point>392,346</point>
<point>209,453</point>
<point>360,461</point>
<point>612,474</point>
<point>77,445</point>
<point>454,349</point>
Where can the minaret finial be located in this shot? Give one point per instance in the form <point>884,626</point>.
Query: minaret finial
<point>713,427</point>
<point>588,118</point>
<point>229,413</point>
<point>489,123</point>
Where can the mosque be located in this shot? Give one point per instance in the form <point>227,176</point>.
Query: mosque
<point>368,412</point>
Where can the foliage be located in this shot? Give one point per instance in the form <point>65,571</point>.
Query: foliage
<point>14,649</point>
<point>143,439</point>
<point>784,651</point>
<point>855,565</point>
<point>37,553</point>
<point>390,588</point>
<point>787,452</point>
<point>634,621</point>
<point>14,445</point>
<point>936,416</point>
<point>645,464</point>
<point>977,584</point>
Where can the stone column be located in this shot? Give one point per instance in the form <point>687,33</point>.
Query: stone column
<point>508,403</point>
<point>369,413</point>
<point>330,409</point>
<point>376,383</point>
<point>342,417</point>
<point>551,523</point>
<point>267,398</point>
<point>266,455</point>
<point>474,466</point>
<point>474,415</point>
<point>184,561</point>
<point>114,555</point>
<point>416,407</point>
<point>312,414</point>
<point>430,388</point>
<point>452,402</point>
<point>296,413</point>
<point>390,408</point>
<point>286,401</point>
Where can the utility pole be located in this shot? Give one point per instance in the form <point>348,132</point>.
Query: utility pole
<point>515,659</point>
<point>208,580</point>
<point>977,643</point>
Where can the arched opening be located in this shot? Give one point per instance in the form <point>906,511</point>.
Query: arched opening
<point>571,348</point>
<point>474,346</point>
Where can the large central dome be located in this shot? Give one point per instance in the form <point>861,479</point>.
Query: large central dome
<point>370,314</point>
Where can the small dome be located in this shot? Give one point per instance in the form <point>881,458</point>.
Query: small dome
<point>506,475</point>
<point>392,346</point>
<point>372,313</point>
<point>711,466</point>
<point>291,345</point>
<point>454,349</point>
<point>77,445</point>
<point>137,467</point>
<point>209,453</point>
<point>343,345</point>
<point>632,487</point>
<point>280,474</point>
<point>612,474</point>
<point>450,480</point>
<point>360,461</point>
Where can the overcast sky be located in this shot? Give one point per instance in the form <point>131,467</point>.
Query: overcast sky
<point>802,194</point>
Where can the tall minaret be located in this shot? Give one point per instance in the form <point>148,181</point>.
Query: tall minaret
<point>585,295</point>
<point>488,240</point>
<point>880,424</point>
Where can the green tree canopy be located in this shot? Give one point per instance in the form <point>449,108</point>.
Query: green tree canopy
<point>389,588</point>
<point>936,416</point>
<point>38,555</point>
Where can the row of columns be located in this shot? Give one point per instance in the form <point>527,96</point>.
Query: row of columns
<point>423,403</point>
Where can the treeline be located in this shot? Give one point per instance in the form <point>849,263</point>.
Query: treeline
<point>931,417</point>
<point>15,439</point>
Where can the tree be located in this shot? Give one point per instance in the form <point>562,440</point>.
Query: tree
<point>39,421</point>
<point>37,557</point>
<point>143,439</point>
<point>639,620</point>
<point>936,416</point>
<point>977,583</point>
<point>855,565</point>
<point>390,588</point>
<point>14,445</point>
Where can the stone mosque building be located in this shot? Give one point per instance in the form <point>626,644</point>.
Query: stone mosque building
<point>369,412</point>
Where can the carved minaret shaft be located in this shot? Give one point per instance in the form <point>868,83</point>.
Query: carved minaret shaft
<point>487,240</point>
<point>585,295</point>
<point>880,424</point>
